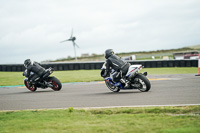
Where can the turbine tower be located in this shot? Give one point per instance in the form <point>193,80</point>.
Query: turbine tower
<point>72,38</point>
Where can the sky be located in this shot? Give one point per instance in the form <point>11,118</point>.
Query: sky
<point>33,29</point>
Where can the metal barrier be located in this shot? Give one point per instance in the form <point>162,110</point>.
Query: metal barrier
<point>98,65</point>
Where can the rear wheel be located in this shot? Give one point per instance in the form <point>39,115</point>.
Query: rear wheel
<point>112,87</point>
<point>29,86</point>
<point>56,83</point>
<point>142,83</point>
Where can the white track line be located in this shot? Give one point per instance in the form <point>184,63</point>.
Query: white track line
<point>106,107</point>
<point>135,106</point>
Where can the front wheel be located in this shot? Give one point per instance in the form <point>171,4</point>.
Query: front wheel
<point>142,83</point>
<point>56,83</point>
<point>112,87</point>
<point>29,86</point>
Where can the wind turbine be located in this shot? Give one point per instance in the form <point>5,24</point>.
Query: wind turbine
<point>72,38</point>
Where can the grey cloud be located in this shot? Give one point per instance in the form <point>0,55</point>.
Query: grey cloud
<point>32,29</point>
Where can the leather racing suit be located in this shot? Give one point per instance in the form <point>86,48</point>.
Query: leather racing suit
<point>120,66</point>
<point>36,69</point>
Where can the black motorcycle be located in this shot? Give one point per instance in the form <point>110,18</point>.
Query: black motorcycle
<point>43,82</point>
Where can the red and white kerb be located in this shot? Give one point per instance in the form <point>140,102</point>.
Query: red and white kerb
<point>199,65</point>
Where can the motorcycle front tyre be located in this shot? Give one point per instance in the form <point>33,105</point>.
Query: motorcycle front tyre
<point>30,87</point>
<point>112,87</point>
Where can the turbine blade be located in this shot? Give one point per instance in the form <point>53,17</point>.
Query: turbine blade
<point>76,45</point>
<point>65,40</point>
<point>72,33</point>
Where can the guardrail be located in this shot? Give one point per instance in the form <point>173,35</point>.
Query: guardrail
<point>98,65</point>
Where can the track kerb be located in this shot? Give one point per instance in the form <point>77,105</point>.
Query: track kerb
<point>198,67</point>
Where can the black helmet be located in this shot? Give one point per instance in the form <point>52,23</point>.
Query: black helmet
<point>108,53</point>
<point>27,62</point>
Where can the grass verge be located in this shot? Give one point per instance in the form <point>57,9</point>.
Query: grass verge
<point>16,78</point>
<point>142,119</point>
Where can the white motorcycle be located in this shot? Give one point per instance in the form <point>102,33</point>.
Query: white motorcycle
<point>136,80</point>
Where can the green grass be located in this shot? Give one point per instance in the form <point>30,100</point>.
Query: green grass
<point>171,70</point>
<point>16,78</point>
<point>114,120</point>
<point>11,78</point>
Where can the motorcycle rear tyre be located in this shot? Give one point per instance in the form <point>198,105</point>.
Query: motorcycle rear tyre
<point>146,81</point>
<point>56,83</point>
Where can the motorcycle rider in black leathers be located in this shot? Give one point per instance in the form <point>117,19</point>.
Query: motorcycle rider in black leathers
<point>34,67</point>
<point>120,66</point>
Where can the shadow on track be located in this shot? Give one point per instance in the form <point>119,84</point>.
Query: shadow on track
<point>29,92</point>
<point>36,91</point>
<point>116,93</point>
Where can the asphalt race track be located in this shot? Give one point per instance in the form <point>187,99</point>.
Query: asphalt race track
<point>166,90</point>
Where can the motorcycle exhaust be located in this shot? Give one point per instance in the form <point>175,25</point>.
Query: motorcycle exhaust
<point>145,73</point>
<point>49,85</point>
